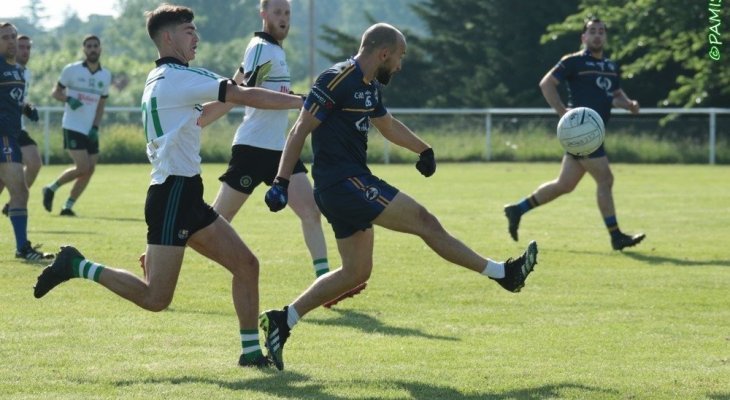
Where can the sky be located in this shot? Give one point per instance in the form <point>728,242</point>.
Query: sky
<point>56,9</point>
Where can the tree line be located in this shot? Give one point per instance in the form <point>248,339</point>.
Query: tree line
<point>461,53</point>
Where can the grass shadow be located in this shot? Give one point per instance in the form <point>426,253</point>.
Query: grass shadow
<point>294,385</point>
<point>653,259</point>
<point>369,324</point>
<point>656,259</point>
<point>284,384</point>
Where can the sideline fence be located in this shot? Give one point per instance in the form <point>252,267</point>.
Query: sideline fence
<point>487,115</point>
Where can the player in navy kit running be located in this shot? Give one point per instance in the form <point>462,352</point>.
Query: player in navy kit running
<point>338,112</point>
<point>593,81</point>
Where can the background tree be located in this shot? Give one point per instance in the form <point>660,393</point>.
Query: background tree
<point>662,47</point>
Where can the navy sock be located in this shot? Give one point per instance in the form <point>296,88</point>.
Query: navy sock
<point>612,226</point>
<point>19,219</point>
<point>527,204</point>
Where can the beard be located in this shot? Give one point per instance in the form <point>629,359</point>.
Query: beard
<point>383,75</point>
<point>92,57</point>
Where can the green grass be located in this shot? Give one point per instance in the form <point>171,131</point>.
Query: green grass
<point>652,322</point>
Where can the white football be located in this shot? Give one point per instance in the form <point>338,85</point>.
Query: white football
<point>581,131</point>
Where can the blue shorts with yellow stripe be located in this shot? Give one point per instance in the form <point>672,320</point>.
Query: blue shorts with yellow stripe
<point>10,150</point>
<point>353,203</point>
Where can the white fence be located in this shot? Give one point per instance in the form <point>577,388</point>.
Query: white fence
<point>487,114</point>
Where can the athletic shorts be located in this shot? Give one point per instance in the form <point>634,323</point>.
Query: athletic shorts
<point>25,140</point>
<point>175,210</point>
<point>352,204</point>
<point>600,152</point>
<point>249,166</point>
<point>73,140</point>
<point>10,150</point>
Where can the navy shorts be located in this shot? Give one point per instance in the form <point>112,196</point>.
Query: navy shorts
<point>249,166</point>
<point>73,140</point>
<point>11,150</point>
<point>175,210</point>
<point>600,152</point>
<point>352,204</point>
<point>25,140</point>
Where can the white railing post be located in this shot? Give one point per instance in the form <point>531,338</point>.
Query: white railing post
<point>488,139</point>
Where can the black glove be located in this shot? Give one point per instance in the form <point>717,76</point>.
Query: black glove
<point>31,112</point>
<point>278,194</point>
<point>426,164</point>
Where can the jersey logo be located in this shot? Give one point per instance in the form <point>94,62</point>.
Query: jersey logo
<point>246,181</point>
<point>603,83</point>
<point>183,234</point>
<point>17,94</point>
<point>363,124</point>
<point>372,193</point>
<point>7,151</point>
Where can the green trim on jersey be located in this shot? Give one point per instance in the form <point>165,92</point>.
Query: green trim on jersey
<point>196,70</point>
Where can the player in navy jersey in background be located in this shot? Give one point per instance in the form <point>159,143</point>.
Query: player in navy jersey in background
<point>178,101</point>
<point>28,147</point>
<point>12,101</point>
<point>593,81</point>
<point>338,112</point>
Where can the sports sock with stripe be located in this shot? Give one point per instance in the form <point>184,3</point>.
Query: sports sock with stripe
<point>321,266</point>
<point>250,344</point>
<point>82,268</point>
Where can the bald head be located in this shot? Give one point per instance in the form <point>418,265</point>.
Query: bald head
<point>380,36</point>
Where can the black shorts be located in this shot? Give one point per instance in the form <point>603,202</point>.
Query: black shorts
<point>600,152</point>
<point>25,140</point>
<point>73,140</point>
<point>175,210</point>
<point>351,205</point>
<point>249,166</point>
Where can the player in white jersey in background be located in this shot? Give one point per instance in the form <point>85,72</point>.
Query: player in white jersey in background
<point>84,88</point>
<point>178,101</point>
<point>260,137</point>
<point>28,147</point>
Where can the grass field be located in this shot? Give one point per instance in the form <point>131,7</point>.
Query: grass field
<point>649,323</point>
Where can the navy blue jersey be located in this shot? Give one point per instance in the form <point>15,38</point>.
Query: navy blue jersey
<point>344,104</point>
<point>12,93</point>
<point>591,81</point>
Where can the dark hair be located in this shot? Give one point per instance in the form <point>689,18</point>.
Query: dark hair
<point>7,24</point>
<point>90,37</point>
<point>166,15</point>
<point>592,20</point>
<point>24,37</point>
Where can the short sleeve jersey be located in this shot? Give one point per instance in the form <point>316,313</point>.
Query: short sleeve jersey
<point>344,103</point>
<point>591,81</point>
<point>264,65</point>
<point>12,96</point>
<point>88,87</point>
<point>172,102</point>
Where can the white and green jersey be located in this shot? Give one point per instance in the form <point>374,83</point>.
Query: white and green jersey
<point>264,65</point>
<point>87,87</point>
<point>172,102</point>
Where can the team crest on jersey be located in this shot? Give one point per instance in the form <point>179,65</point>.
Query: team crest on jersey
<point>246,181</point>
<point>372,193</point>
<point>7,151</point>
<point>16,94</point>
<point>183,234</point>
<point>603,83</point>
